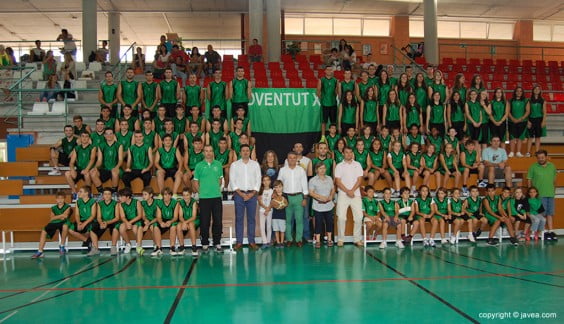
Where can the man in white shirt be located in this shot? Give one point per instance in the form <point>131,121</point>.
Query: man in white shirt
<point>348,177</point>
<point>305,163</point>
<point>294,179</point>
<point>244,175</point>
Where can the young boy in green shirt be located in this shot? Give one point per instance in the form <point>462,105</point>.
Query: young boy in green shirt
<point>57,222</point>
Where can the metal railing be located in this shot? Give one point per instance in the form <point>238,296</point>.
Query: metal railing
<point>121,66</point>
<point>493,51</point>
<point>400,58</point>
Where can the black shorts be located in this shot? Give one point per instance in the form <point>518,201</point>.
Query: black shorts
<point>170,109</point>
<point>440,127</point>
<point>170,173</point>
<point>345,127</point>
<point>499,131</point>
<point>527,220</point>
<point>64,159</point>
<point>393,124</point>
<point>459,126</point>
<point>328,114</point>
<point>479,134</point>
<point>52,228</point>
<point>79,176</point>
<point>536,129</point>
<point>105,175</point>
<point>517,130</point>
<point>165,229</point>
<point>473,171</point>
<point>100,231</point>
<point>372,125</point>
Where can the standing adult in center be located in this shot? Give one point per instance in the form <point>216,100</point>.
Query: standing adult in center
<point>542,175</point>
<point>208,176</point>
<point>294,179</point>
<point>348,177</point>
<point>244,175</point>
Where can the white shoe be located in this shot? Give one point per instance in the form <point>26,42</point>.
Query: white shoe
<point>511,154</point>
<point>426,242</point>
<point>471,238</point>
<point>157,252</point>
<point>444,241</point>
<point>399,245</point>
<point>413,193</point>
<point>453,239</point>
<point>519,154</point>
<point>528,154</point>
<point>173,251</point>
<point>127,249</point>
<point>383,245</point>
<point>432,243</point>
<point>54,172</point>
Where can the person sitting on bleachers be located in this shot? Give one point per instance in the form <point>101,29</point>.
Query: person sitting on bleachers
<point>167,163</point>
<point>83,157</point>
<point>139,161</point>
<point>213,60</point>
<point>138,62</point>
<point>60,212</point>
<point>132,120</point>
<point>60,152</point>
<point>51,90</point>
<point>97,137</point>
<point>68,68</point>
<point>102,52</point>
<point>109,160</point>
<point>36,54</point>
<point>495,160</point>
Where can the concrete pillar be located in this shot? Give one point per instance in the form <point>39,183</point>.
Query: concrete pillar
<point>114,38</point>
<point>89,28</point>
<point>273,17</point>
<point>430,27</point>
<point>256,12</point>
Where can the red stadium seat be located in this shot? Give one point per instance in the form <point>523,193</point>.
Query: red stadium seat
<point>315,59</point>
<point>553,65</point>
<point>311,83</point>
<point>301,58</point>
<point>207,81</point>
<point>488,61</point>
<point>339,75</point>
<point>510,85</point>
<point>514,63</point>
<point>286,58</point>
<point>228,58</point>
<point>260,74</point>
<point>497,84</point>
<point>527,63</point>
<point>527,69</point>
<point>275,73</point>
<point>559,97</point>
<point>527,85</point>
<point>278,83</point>
<point>474,61</point>
<point>457,68</point>
<point>460,61</point>
<point>258,66</point>
<point>242,58</point>
<point>296,83</point>
<point>274,65</point>
<point>526,78</point>
<point>557,86</point>
<point>448,60</point>
<point>291,73</point>
<point>261,83</point>
<point>501,61</point>
<point>308,74</point>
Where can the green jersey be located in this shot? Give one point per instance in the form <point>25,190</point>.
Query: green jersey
<point>167,159</point>
<point>124,139</point>
<point>430,160</point>
<point>130,210</point>
<point>179,124</point>
<point>424,205</point>
<point>149,92</point>
<point>159,124</point>
<point>535,206</point>
<point>498,110</point>
<point>235,140</point>
<point>68,145</point>
<point>110,154</point>
<point>139,156</point>
<point>462,91</point>
<point>109,91</point>
<point>367,141</point>
<point>442,206</point>
<point>403,94</point>
<point>437,114</point>
<point>168,91</point>
<point>350,141</point>
<point>167,210</point>
<point>110,123</point>
<point>107,211</point>
<point>129,92</point>
<point>223,158</point>
<point>372,80</point>
<point>370,206</point>
<point>149,138</point>
<point>393,113</point>
<point>77,130</point>
<point>174,135</point>
<point>449,161</point>
<point>370,113</point>
<point>436,141</point>
<point>192,95</point>
<point>349,114</point>
<point>240,89</point>
<point>363,88</point>
<point>214,138</point>
<point>457,113</point>
<point>361,157</point>
<point>475,110</point>
<point>83,156</point>
<point>536,109</point>
<point>328,164</point>
<point>440,88</point>
<point>188,209</point>
<point>217,94</point>
<point>518,107</point>
<point>85,208</point>
<point>389,207</point>
<point>58,212</point>
<point>415,159</point>
<point>494,206</point>
<point>328,92</point>
<point>332,141</point>
<point>470,157</point>
<point>346,86</point>
<point>452,141</point>
<point>413,115</point>
<point>150,211</point>
<point>377,158</point>
<point>194,158</point>
<point>397,159</point>
<point>473,206</point>
<point>421,96</point>
<point>131,123</point>
<point>405,204</point>
<point>385,141</point>
<point>97,138</point>
<point>456,205</point>
<point>339,157</point>
<point>415,139</point>
<point>383,91</point>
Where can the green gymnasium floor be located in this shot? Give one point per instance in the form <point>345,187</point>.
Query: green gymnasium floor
<point>446,284</point>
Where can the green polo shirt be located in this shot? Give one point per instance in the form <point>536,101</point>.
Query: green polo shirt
<point>208,175</point>
<point>543,178</point>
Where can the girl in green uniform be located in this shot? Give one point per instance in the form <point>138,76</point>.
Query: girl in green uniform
<point>412,113</point>
<point>367,136</point>
<point>392,112</point>
<point>389,211</point>
<point>149,214</point>
<point>436,114</point>
<point>460,87</point>
<point>338,151</point>
<point>361,156</point>
<point>369,110</point>
<point>378,164</point>
<point>397,166</point>
<point>420,91</point>
<point>167,220</point>
<point>430,166</point>
<point>537,120</point>
<point>472,206</point>
<point>188,221</point>
<point>440,215</point>
<point>404,89</point>
<point>518,118</point>
<point>498,116</point>
<point>384,87</point>
<point>477,84</point>
<point>455,114</point>
<point>438,85</point>
<point>362,87</point>
<point>413,164</point>
<point>474,118</point>
<point>131,218</point>
<point>348,113</point>
<point>457,215</point>
<point>449,166</point>
<point>423,213</point>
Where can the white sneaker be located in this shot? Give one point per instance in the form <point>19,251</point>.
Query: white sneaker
<point>519,154</point>
<point>453,239</point>
<point>444,241</point>
<point>511,154</point>
<point>465,192</point>
<point>113,250</point>
<point>383,245</point>
<point>528,154</point>
<point>426,242</point>
<point>127,249</point>
<point>157,252</point>
<point>399,245</point>
<point>471,238</point>
<point>54,172</point>
<point>413,193</point>
<point>482,184</point>
<point>173,251</point>
<point>432,243</point>
<point>93,252</point>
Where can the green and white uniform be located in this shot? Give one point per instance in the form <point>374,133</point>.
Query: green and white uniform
<point>187,210</point>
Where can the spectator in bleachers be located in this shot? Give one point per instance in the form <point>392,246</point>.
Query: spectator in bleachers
<point>161,61</point>
<point>68,68</point>
<point>107,95</point>
<point>36,54</point>
<point>52,93</point>
<point>166,43</point>
<point>537,120</point>
<point>61,151</point>
<point>69,46</point>
<point>49,65</point>
<point>178,62</point>
<point>102,52</point>
<point>196,62</point>
<point>213,60</point>
<point>138,63</point>
<point>348,58</point>
<point>334,60</point>
<point>495,159</point>
<point>519,111</point>
<point>369,61</point>
<point>255,51</point>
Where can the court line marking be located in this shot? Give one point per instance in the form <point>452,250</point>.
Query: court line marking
<point>497,263</point>
<point>7,317</point>
<point>429,292</point>
<point>283,283</point>
<point>71,291</point>
<point>485,271</point>
<point>174,305</point>
<point>80,271</point>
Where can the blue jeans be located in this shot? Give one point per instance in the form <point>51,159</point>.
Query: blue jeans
<point>548,204</point>
<point>240,207</point>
